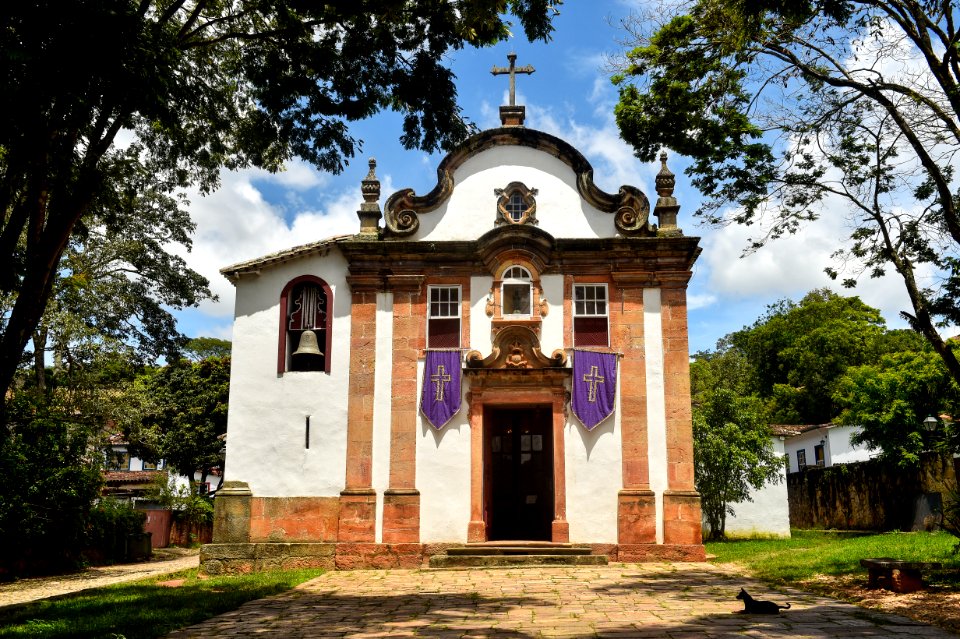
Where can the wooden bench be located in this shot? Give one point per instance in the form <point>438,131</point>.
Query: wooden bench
<point>895,575</point>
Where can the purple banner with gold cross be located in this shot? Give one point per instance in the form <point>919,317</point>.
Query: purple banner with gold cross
<point>594,386</point>
<point>440,399</point>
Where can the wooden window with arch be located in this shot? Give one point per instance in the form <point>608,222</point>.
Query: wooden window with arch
<point>305,305</point>
<point>516,297</point>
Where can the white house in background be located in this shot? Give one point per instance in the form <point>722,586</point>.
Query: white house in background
<point>768,515</point>
<point>821,445</point>
<point>127,476</point>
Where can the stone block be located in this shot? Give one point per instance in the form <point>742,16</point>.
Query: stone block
<point>636,517</point>
<point>231,514</point>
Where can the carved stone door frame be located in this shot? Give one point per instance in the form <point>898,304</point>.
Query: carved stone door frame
<point>516,373</point>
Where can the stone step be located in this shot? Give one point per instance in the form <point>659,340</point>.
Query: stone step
<point>492,561</point>
<point>519,550</point>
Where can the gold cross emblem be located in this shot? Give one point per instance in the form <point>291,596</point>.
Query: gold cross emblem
<point>593,379</point>
<point>440,379</point>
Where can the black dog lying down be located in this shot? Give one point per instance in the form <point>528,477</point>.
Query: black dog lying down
<point>753,606</point>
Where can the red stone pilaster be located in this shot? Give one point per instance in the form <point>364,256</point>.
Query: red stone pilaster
<point>477,528</point>
<point>358,501</point>
<point>560,528</point>
<point>401,501</point>
<point>681,503</point>
<point>636,512</point>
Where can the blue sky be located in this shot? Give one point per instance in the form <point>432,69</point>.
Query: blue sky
<point>569,95</point>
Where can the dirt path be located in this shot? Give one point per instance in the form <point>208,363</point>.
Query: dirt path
<point>165,561</point>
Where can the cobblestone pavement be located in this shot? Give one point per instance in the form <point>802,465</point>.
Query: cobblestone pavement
<point>620,600</point>
<point>32,589</point>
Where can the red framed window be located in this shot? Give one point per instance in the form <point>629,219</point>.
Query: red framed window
<point>590,315</point>
<point>305,307</point>
<point>443,317</point>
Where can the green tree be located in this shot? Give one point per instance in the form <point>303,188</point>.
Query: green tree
<point>732,453</point>
<point>178,413</point>
<point>796,352</point>
<point>889,400</point>
<point>793,110</point>
<point>116,285</point>
<point>200,348</point>
<point>51,479</point>
<point>195,87</point>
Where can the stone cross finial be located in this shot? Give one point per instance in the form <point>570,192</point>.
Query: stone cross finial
<point>512,70</point>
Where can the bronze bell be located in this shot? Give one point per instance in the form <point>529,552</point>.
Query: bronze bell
<point>308,344</point>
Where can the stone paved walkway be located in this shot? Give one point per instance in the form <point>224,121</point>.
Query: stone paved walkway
<point>633,600</point>
<point>35,588</point>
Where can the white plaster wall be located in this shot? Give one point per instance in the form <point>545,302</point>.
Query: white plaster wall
<point>551,329</point>
<point>382,403</point>
<point>840,450</point>
<point>656,400</point>
<point>480,339</point>
<point>472,208</point>
<point>266,420</point>
<point>768,515</point>
<point>443,473</point>
<point>594,474</point>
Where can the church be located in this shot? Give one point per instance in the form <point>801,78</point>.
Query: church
<point>502,359</point>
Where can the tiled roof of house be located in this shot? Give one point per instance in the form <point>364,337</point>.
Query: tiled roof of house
<point>234,271</point>
<point>792,430</point>
<point>131,476</point>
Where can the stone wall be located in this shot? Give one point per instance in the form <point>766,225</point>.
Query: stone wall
<point>872,495</point>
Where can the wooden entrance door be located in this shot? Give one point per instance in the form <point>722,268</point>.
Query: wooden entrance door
<point>519,473</point>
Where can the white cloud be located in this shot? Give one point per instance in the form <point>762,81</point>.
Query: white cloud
<point>236,223</point>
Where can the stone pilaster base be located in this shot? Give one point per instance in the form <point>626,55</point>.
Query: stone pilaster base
<point>476,532</point>
<point>358,516</point>
<point>560,531</point>
<point>682,520</point>
<point>231,513</point>
<point>401,516</point>
<point>636,517</point>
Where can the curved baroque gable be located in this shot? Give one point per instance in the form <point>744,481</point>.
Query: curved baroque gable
<point>630,207</point>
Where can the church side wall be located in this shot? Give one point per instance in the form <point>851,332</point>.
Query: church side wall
<point>267,415</point>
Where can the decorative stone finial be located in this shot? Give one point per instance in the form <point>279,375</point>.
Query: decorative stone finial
<point>370,186</point>
<point>667,207</point>
<point>666,180</point>
<point>369,212</point>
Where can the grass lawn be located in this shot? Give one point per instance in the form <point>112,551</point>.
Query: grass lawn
<point>143,608</point>
<point>810,553</point>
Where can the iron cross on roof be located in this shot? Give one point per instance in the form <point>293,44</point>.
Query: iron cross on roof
<point>513,70</point>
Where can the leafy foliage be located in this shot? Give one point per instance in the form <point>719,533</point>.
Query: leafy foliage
<point>51,477</point>
<point>194,88</point>
<point>732,454</point>
<point>179,413</point>
<point>889,400</point>
<point>793,110</point>
<point>798,351</point>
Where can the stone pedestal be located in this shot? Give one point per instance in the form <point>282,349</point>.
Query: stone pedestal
<point>358,515</point>
<point>682,521</point>
<point>636,517</point>
<point>231,514</point>
<point>401,516</point>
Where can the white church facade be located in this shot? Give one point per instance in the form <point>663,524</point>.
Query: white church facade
<point>502,358</point>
